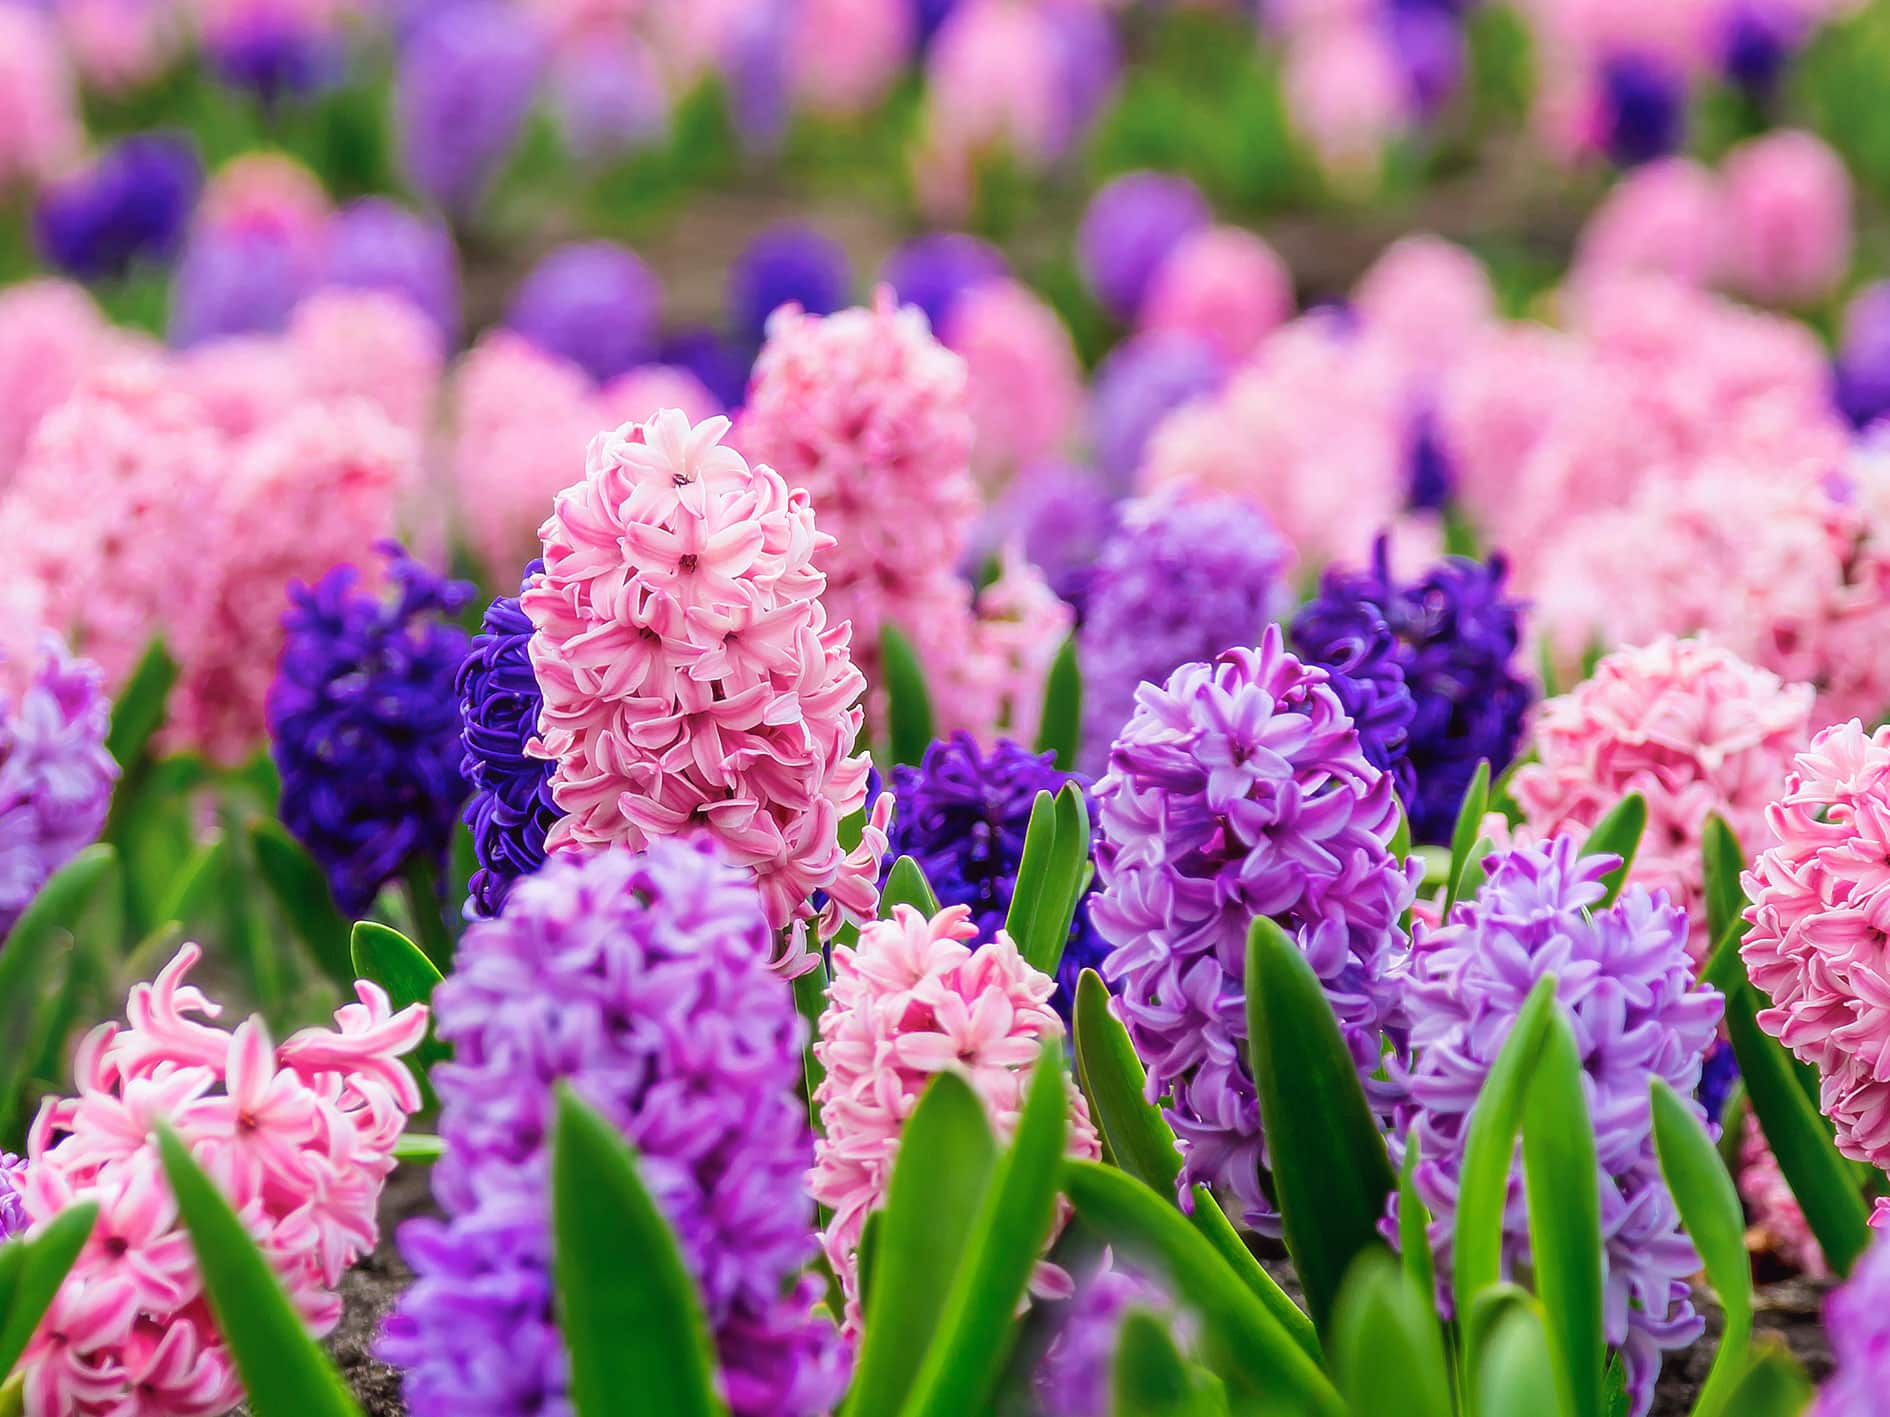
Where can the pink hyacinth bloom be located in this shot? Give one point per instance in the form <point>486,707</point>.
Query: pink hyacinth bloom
<point>243,382</point>
<point>639,394</point>
<point>1223,285</point>
<point>39,110</point>
<point>1669,217</point>
<point>300,1138</point>
<point>1778,1227</point>
<point>369,344</point>
<point>1818,942</point>
<point>119,44</point>
<point>268,194</point>
<point>912,999</point>
<point>1346,93</point>
<point>1428,297</point>
<point>1021,625</point>
<point>1024,380</point>
<point>1691,727</point>
<point>843,55</point>
<point>50,334</point>
<point>691,678</point>
<point>1788,200</point>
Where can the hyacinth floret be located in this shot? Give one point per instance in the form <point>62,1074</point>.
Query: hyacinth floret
<point>364,725</point>
<point>643,981</point>
<point>510,810</point>
<point>691,679</point>
<point>1857,1318</point>
<point>12,1204</point>
<point>1238,788</point>
<point>1624,983</point>
<point>300,1138</point>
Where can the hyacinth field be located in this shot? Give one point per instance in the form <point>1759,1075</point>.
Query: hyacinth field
<point>921,708</point>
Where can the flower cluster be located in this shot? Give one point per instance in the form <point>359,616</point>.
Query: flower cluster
<point>1238,789</point>
<point>911,999</point>
<point>300,1137</point>
<point>691,678</point>
<point>364,725</point>
<point>1624,982</point>
<point>1857,1318</point>
<point>1691,727</point>
<point>12,1207</point>
<point>962,815</point>
<point>642,980</point>
<point>1816,946</point>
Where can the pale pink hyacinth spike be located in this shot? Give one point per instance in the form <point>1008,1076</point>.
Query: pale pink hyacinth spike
<point>1788,206</point>
<point>1024,379</point>
<point>40,128</point>
<point>1668,217</point>
<point>369,344</point>
<point>1225,286</point>
<point>1021,625</point>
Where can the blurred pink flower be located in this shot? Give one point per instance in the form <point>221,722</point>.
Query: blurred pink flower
<point>1429,298</point>
<point>1346,92</point>
<point>1021,625</point>
<point>1779,1227</point>
<point>119,44</point>
<point>1223,285</point>
<point>269,194</point>
<point>39,113</point>
<point>638,395</point>
<point>1669,218</point>
<point>50,334</point>
<point>845,54</point>
<point>1788,199</point>
<point>1023,378</point>
<point>369,344</point>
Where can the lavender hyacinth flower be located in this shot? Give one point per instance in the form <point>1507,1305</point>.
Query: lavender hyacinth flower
<point>593,303</point>
<point>467,77</point>
<point>1238,789</point>
<point>129,207</point>
<point>1061,516</point>
<point>1131,225</point>
<point>787,262</point>
<point>642,980</point>
<point>1624,982</point>
<point>1857,1320</point>
<point>55,774</point>
<point>1138,384</point>
<point>934,270</point>
<point>375,244</point>
<point>364,725</point>
<point>235,283</point>
<point>13,1219</point>
<point>1179,581</point>
<point>510,810</point>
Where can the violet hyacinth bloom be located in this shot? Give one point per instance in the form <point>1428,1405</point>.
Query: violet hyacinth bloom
<point>932,271</point>
<point>1861,375</point>
<point>1757,38</point>
<point>12,1209</point>
<point>714,361</point>
<point>1179,581</point>
<point>1857,1320</point>
<point>467,77</point>
<point>129,207</point>
<point>1238,789</point>
<point>234,283</point>
<point>510,810</point>
<point>642,980</point>
<point>375,244</point>
<point>1643,109</point>
<point>55,774</point>
<point>364,724</point>
<point>786,263</point>
<point>1132,223</point>
<point>274,52</point>
<point>1624,982</point>
<point>1138,384</point>
<point>594,303</point>
<point>1062,516</point>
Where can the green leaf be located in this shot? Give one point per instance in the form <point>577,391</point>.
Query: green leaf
<point>1772,1385</point>
<point>138,711</point>
<point>1714,1220</point>
<point>1050,877</point>
<point>1033,869</point>
<point>1387,1345</point>
<point>810,1001</point>
<point>300,889</point>
<point>631,1317</point>
<point>1514,1373</point>
<point>283,1369</point>
<point>1414,1219</point>
<point>1723,862</point>
<point>1061,728</point>
<point>944,1167</point>
<point>391,960</point>
<point>190,891</point>
<point>31,1271</point>
<point>1330,1172</point>
<point>906,885</point>
<point>1248,1346</point>
<point>418,1147</point>
<point>1490,1148</point>
<point>909,728</point>
<point>1559,1174</point>
<point>1618,834</point>
<point>1463,836</point>
<point>961,1366</point>
<point>1143,1145</point>
<point>1152,1379</point>
<point>1400,845</point>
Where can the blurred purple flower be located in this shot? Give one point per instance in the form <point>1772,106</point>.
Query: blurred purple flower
<point>1132,223</point>
<point>933,270</point>
<point>593,303</point>
<point>377,244</point>
<point>787,262</point>
<point>466,79</point>
<point>235,282</point>
<point>1643,109</point>
<point>128,207</point>
<point>1138,384</point>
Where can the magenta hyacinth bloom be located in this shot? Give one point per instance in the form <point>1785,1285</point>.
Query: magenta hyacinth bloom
<point>1238,789</point>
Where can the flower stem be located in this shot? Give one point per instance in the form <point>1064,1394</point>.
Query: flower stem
<point>423,900</point>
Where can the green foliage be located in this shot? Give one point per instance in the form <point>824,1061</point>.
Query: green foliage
<point>1618,834</point>
<point>906,885</point>
<point>1051,877</point>
<point>1464,835</point>
<point>300,890</point>
<point>1060,731</point>
<point>909,721</point>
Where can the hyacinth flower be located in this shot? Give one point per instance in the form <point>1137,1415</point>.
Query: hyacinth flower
<point>364,728</point>
<point>691,678</point>
<point>300,1137</point>
<point>1857,1319</point>
<point>643,982</point>
<point>1238,788</point>
<point>594,303</point>
<point>788,264</point>
<point>129,208</point>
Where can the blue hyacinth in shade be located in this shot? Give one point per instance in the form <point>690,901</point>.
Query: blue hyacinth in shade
<point>786,263</point>
<point>1455,636</point>
<point>467,76</point>
<point>593,303</point>
<point>1179,581</point>
<point>364,724</point>
<point>375,244</point>
<point>962,814</point>
<point>642,980</point>
<point>1238,789</point>
<point>1625,984</point>
<point>1716,1081</point>
<point>510,810</point>
<point>129,207</point>
<point>1644,109</point>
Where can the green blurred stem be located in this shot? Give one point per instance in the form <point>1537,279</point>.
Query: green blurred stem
<point>429,923</point>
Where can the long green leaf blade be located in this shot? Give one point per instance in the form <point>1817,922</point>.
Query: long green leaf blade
<point>909,729</point>
<point>384,955</point>
<point>1618,834</point>
<point>1463,836</point>
<point>1330,1172</point>
<point>1061,727</point>
<point>1069,872</point>
<point>138,710</point>
<point>1772,1385</point>
<point>32,1274</point>
<point>1514,1376</point>
<point>630,1314</point>
<point>284,1371</point>
<point>1034,868</point>
<point>1414,1219</point>
<point>1723,862</point>
<point>1387,1345</point>
<point>1152,1379</point>
<point>906,885</point>
<point>300,889</point>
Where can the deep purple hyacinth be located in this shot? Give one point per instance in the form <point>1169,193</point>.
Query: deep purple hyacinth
<point>1716,1081</point>
<point>129,207</point>
<point>467,77</point>
<point>375,244</point>
<point>364,724</point>
<point>1861,375</point>
<point>1427,38</point>
<point>1179,581</point>
<point>1456,636</point>
<point>1857,1321</point>
<point>1756,41</point>
<point>721,368</point>
<point>962,815</point>
<point>789,262</point>
<point>593,303</point>
<point>274,54</point>
<point>1644,109</point>
<point>1432,479</point>
<point>1349,637</point>
<point>643,981</point>
<point>1131,225</point>
<point>510,809</point>
<point>1238,789</point>
<point>12,1208</point>
<point>235,283</point>
<point>1138,384</point>
<point>1624,982</point>
<point>55,774</point>
<point>932,271</point>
